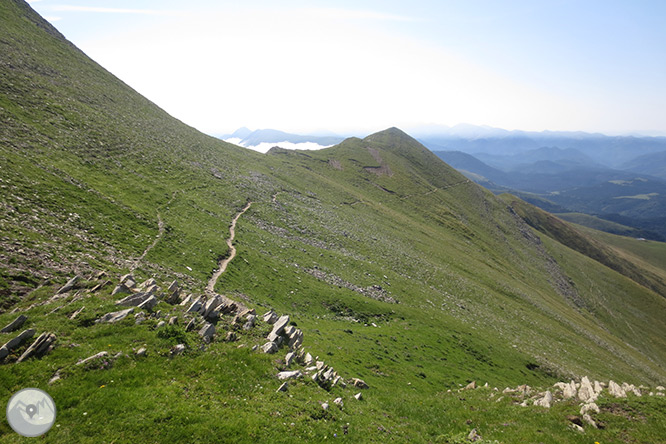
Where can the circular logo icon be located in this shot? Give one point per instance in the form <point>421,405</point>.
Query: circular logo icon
<point>31,412</point>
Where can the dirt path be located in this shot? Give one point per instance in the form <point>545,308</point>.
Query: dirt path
<point>160,234</point>
<point>210,288</point>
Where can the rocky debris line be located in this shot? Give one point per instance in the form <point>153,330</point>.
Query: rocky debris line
<point>202,313</point>
<point>374,291</point>
<point>283,334</point>
<point>586,392</point>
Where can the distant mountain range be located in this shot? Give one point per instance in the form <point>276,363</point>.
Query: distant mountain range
<point>567,180</point>
<point>617,178</point>
<point>610,151</point>
<point>251,139</point>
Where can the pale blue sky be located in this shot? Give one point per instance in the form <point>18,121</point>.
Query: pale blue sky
<point>365,65</point>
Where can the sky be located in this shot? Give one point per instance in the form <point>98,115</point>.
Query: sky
<point>355,67</point>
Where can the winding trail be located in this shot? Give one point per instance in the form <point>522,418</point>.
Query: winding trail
<point>210,288</point>
<point>160,234</point>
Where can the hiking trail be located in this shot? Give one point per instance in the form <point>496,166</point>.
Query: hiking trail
<point>210,288</point>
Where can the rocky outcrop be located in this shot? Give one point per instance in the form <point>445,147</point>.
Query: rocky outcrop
<point>93,357</point>
<point>546,401</point>
<point>615,390</point>
<point>15,324</point>
<point>133,300</point>
<point>586,392</point>
<point>207,332</point>
<point>115,316</point>
<point>289,375</point>
<point>42,345</point>
<point>269,347</point>
<point>16,342</point>
<point>69,285</point>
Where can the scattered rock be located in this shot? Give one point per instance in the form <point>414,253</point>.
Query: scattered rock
<point>231,336</point>
<point>69,285</point>
<point>177,349</point>
<point>289,358</point>
<point>295,339</point>
<point>615,390</point>
<point>598,388</point>
<point>147,283</point>
<point>15,324</point>
<point>630,388</point>
<point>173,320</point>
<point>90,358</point>
<point>577,428</point>
<point>338,402</point>
<point>359,383</point>
<point>121,288</point>
<point>139,317</point>
<point>270,317</point>
<point>99,286</point>
<point>43,344</point>
<point>280,324</point>
<point>289,375</point>
<point>211,305</point>
<point>128,280</point>
<point>16,342</point>
<point>470,386</point>
<point>586,391</point>
<point>473,436</point>
<point>359,396</point>
<point>196,306</point>
<point>283,387</point>
<point>149,303</point>
<point>191,325</point>
<point>324,405</point>
<point>568,390</point>
<point>160,324</point>
<point>142,352</point>
<point>115,316</point>
<point>270,347</point>
<point>76,313</point>
<point>55,377</point>
<point>133,300</point>
<point>250,322</point>
<point>207,332</point>
<point>173,293</point>
<point>590,407</point>
<point>588,419</point>
<point>546,401</point>
<point>308,359</point>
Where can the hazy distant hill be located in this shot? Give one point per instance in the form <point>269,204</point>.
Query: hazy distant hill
<point>652,164</point>
<point>571,179</point>
<point>611,151</point>
<point>253,138</point>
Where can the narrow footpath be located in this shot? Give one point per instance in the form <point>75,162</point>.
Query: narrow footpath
<point>210,288</point>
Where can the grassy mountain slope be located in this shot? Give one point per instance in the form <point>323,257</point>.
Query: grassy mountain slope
<point>398,269</point>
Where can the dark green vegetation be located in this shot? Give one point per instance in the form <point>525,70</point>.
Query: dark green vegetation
<point>567,181</point>
<point>88,170</point>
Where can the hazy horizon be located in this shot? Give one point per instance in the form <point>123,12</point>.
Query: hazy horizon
<point>360,67</point>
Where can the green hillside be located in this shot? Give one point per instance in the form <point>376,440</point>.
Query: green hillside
<point>397,269</point>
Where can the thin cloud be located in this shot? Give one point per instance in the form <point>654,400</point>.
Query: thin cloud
<point>353,14</point>
<point>102,10</point>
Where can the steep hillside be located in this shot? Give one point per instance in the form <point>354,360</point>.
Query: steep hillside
<point>395,268</point>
